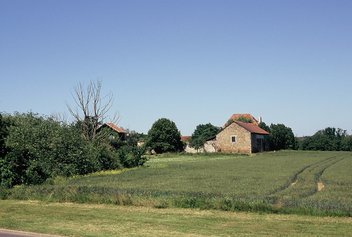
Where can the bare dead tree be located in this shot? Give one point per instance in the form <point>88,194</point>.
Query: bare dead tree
<point>60,117</point>
<point>91,107</point>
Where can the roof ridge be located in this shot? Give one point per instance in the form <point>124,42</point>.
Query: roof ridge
<point>253,128</point>
<point>115,127</point>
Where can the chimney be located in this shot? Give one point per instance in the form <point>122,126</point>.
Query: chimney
<point>260,119</point>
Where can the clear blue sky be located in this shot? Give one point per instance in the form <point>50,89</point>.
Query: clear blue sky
<point>192,61</point>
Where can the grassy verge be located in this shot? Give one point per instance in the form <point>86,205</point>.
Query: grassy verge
<point>107,220</point>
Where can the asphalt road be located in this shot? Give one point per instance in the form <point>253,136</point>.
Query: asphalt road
<point>13,233</point>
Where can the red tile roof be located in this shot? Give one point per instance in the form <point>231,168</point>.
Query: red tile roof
<point>115,128</point>
<point>252,128</point>
<point>185,138</point>
<point>235,117</point>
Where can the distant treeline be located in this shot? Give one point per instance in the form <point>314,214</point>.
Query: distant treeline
<point>34,149</point>
<point>328,139</point>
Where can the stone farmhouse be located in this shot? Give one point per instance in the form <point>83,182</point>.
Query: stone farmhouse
<point>240,134</point>
<point>241,137</point>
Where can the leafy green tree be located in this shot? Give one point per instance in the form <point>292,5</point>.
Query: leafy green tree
<point>263,125</point>
<point>72,154</point>
<point>202,133</point>
<point>315,142</point>
<point>328,139</point>
<point>28,155</point>
<point>281,137</point>
<point>164,137</point>
<point>346,143</point>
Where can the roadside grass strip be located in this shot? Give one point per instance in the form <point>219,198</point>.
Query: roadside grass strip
<point>87,220</point>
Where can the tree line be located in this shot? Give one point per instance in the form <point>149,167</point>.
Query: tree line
<point>328,139</point>
<point>165,137</point>
<point>281,137</point>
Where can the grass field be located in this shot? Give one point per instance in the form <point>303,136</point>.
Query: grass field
<point>317,183</point>
<point>106,220</point>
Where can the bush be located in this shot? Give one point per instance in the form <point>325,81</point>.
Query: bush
<point>108,158</point>
<point>131,156</point>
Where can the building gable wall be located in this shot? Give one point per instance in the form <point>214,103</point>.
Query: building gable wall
<point>243,143</point>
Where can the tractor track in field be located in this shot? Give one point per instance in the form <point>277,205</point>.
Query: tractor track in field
<point>293,180</point>
<point>320,185</point>
<point>320,168</point>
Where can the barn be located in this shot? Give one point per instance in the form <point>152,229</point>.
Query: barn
<point>242,137</point>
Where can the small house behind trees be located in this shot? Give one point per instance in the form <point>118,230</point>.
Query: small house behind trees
<point>115,131</point>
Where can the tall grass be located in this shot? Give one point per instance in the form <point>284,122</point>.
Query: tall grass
<point>263,183</point>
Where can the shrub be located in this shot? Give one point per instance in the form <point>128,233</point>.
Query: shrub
<point>130,156</point>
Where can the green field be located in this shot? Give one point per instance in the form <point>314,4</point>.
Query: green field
<point>317,183</point>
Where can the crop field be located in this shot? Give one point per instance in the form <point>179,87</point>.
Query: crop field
<point>315,183</point>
